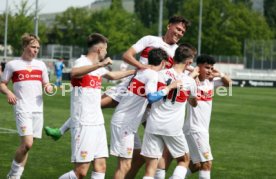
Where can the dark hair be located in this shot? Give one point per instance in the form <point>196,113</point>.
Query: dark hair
<point>191,47</point>
<point>205,59</point>
<point>156,56</point>
<point>178,19</point>
<point>182,53</point>
<point>95,38</point>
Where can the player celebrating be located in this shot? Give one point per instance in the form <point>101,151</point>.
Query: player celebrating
<point>87,123</point>
<point>129,112</point>
<point>198,118</point>
<point>28,75</point>
<point>166,118</point>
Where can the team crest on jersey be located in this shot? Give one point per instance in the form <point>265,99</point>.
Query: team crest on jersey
<point>129,151</point>
<point>206,155</point>
<point>23,129</point>
<point>83,154</point>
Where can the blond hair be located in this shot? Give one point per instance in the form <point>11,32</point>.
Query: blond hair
<point>28,38</point>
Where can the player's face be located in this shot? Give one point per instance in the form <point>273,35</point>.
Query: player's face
<point>32,49</point>
<point>102,51</point>
<point>205,70</point>
<point>175,32</point>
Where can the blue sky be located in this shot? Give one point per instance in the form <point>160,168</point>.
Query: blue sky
<point>46,6</point>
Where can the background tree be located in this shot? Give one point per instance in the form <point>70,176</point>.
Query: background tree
<point>225,26</point>
<point>20,22</point>
<point>270,14</point>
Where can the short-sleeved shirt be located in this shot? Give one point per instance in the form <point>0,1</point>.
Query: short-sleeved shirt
<point>132,106</point>
<point>59,67</point>
<point>27,78</point>
<point>167,115</point>
<point>198,118</point>
<point>146,43</point>
<point>86,95</point>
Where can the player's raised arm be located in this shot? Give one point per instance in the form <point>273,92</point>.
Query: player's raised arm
<point>129,57</point>
<point>116,75</point>
<point>224,78</point>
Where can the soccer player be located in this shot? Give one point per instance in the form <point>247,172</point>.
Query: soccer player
<point>166,118</point>
<point>176,29</point>
<point>88,135</point>
<point>28,75</point>
<point>59,65</point>
<point>196,127</point>
<point>129,112</point>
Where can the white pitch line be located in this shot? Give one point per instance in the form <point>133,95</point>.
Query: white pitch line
<point>7,131</point>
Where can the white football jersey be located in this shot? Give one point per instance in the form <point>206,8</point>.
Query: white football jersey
<point>198,118</point>
<point>28,78</point>
<point>146,43</point>
<point>132,106</point>
<point>86,95</point>
<point>167,115</point>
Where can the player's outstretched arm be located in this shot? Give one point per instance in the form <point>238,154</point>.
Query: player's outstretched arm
<point>129,57</point>
<point>156,96</point>
<point>11,98</point>
<point>78,72</point>
<point>116,75</point>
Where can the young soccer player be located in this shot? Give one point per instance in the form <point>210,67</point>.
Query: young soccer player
<point>129,112</point>
<point>166,118</point>
<point>88,136</point>
<point>196,127</point>
<point>28,76</point>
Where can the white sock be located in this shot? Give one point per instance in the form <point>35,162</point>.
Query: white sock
<point>160,174</point>
<point>189,172</point>
<point>16,169</point>
<point>69,175</point>
<point>146,177</point>
<point>204,174</point>
<point>179,173</point>
<point>97,175</point>
<point>65,126</point>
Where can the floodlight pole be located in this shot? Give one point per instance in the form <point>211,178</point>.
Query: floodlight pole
<point>6,29</point>
<point>160,18</point>
<point>199,27</point>
<point>36,19</point>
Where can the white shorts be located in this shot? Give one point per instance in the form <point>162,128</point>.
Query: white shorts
<point>116,92</point>
<point>200,150</point>
<point>153,145</point>
<point>29,123</point>
<point>121,142</point>
<point>88,143</point>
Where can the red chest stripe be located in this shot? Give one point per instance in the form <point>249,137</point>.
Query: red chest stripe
<point>25,75</point>
<point>145,52</point>
<point>87,81</point>
<point>181,96</point>
<point>137,87</point>
<point>204,96</point>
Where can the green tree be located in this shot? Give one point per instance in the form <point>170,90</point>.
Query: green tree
<point>71,27</point>
<point>225,26</point>
<point>147,11</point>
<point>270,14</point>
<point>19,23</point>
<point>121,28</point>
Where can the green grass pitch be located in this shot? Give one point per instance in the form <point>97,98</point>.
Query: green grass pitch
<point>242,135</point>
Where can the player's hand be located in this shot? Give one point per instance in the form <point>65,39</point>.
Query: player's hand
<point>194,73</point>
<point>215,73</point>
<point>175,84</point>
<point>49,89</point>
<point>106,61</point>
<point>11,98</point>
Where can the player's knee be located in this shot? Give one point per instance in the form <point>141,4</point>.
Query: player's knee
<point>100,167</point>
<point>26,146</point>
<point>126,166</point>
<point>206,165</point>
<point>81,174</point>
<point>195,167</point>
